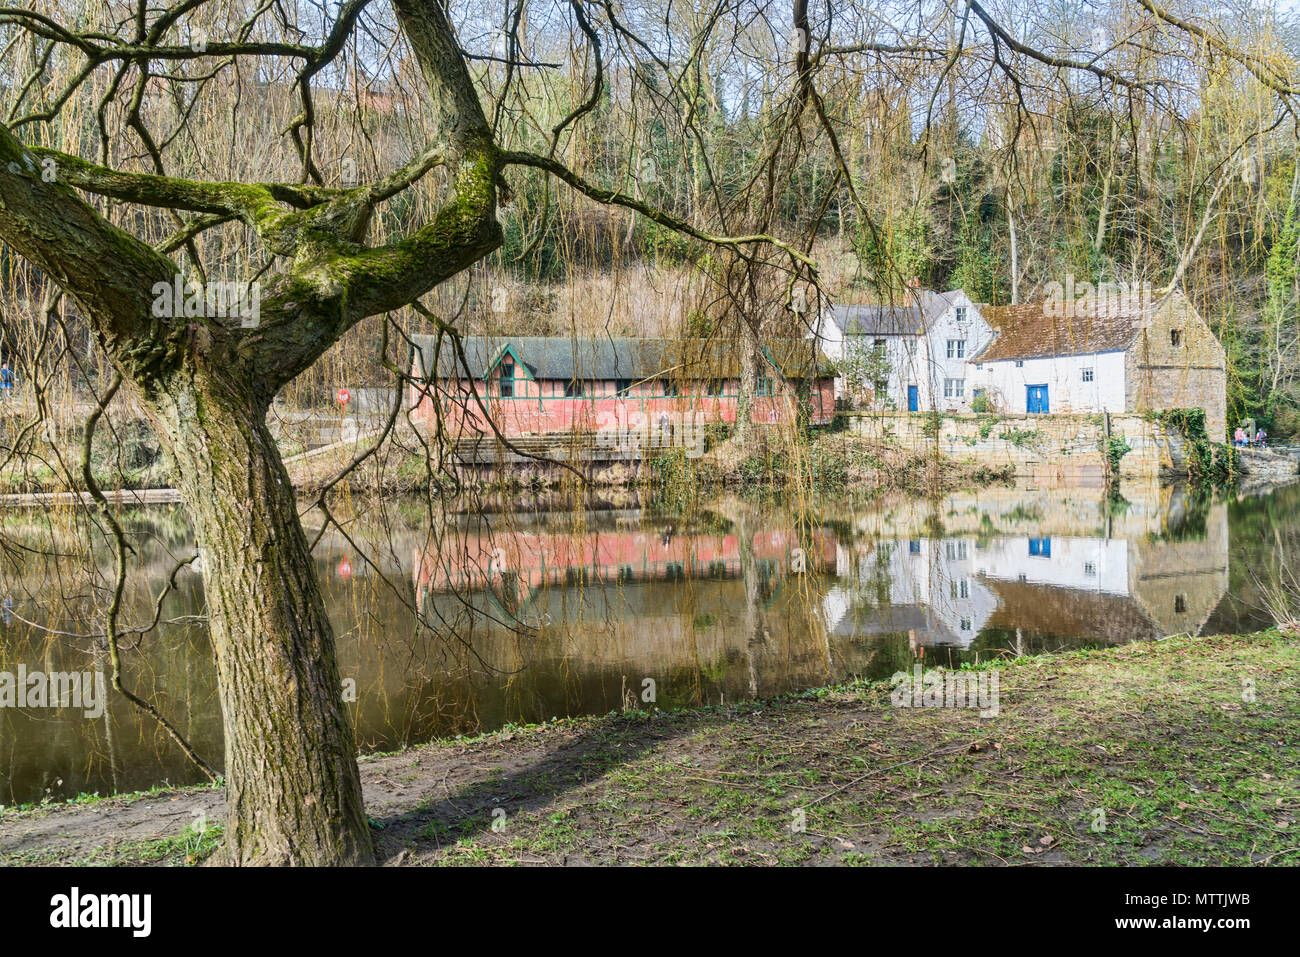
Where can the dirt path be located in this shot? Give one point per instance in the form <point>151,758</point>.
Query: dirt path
<point>1142,754</point>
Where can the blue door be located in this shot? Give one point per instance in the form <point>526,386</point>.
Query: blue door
<point>913,399</point>
<point>1037,399</point>
<point>1040,547</point>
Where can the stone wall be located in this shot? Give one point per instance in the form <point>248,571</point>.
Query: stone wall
<point>1048,449</point>
<point>1162,373</point>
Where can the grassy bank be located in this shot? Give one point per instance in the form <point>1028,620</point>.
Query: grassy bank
<point>1144,754</point>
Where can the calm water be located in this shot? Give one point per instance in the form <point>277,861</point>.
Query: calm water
<point>467,624</point>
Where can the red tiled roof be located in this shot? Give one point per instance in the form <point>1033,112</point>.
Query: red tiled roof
<point>1042,329</point>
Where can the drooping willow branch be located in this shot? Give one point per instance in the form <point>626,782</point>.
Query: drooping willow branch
<point>119,583</point>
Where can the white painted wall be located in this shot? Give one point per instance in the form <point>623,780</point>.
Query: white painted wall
<point>1063,375</point>
<point>830,339</point>
<point>972,330</point>
<point>922,360</point>
<point>1086,564</point>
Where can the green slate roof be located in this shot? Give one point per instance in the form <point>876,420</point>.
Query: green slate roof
<point>553,357</point>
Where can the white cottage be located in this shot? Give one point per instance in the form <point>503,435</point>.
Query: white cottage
<point>1104,354</point>
<point>913,356</point>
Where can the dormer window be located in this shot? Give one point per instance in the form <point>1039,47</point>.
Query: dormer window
<point>507,384</point>
<point>961,313</point>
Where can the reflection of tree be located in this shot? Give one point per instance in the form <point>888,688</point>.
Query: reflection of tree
<point>751,575</point>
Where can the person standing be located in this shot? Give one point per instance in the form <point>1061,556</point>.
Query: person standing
<point>6,380</point>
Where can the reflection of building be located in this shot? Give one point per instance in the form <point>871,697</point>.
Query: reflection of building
<point>580,616</point>
<point>520,562</point>
<point>945,591</point>
<point>925,588</point>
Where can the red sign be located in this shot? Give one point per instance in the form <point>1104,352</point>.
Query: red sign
<point>345,568</point>
<point>344,395</point>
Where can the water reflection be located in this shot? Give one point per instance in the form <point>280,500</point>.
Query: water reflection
<point>488,620</point>
<point>1131,583</point>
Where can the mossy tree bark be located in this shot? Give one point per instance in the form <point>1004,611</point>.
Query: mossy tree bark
<point>293,791</point>
<point>292,782</point>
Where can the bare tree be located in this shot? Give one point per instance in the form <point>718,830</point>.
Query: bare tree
<point>133,74</point>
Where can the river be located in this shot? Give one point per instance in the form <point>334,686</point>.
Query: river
<point>468,623</point>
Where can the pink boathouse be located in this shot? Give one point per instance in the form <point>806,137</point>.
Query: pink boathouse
<point>533,385</point>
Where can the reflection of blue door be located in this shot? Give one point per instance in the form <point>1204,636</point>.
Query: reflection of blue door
<point>913,399</point>
<point>1040,547</point>
<point>1037,399</point>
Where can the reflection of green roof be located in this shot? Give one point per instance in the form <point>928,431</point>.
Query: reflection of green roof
<point>554,357</point>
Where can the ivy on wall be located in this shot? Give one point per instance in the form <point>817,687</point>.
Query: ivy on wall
<point>1212,464</point>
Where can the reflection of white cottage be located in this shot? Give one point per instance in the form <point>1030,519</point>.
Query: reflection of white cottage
<point>1086,564</point>
<point>925,588</point>
<point>923,345</point>
<point>946,591</point>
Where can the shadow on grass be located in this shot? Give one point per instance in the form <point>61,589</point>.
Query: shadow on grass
<point>533,782</point>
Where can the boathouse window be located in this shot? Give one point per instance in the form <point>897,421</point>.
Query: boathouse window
<point>507,379</point>
<point>1087,375</point>
<point>622,386</point>
<point>1040,547</point>
<point>1090,569</point>
<point>573,388</point>
<point>961,313</point>
<point>670,387</point>
<point>1180,604</point>
<point>764,386</point>
<point>956,348</point>
<point>1020,363</point>
<point>954,388</point>
<point>1175,337</point>
<point>715,387</point>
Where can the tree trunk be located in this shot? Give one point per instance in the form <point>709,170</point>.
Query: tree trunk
<point>749,368</point>
<point>293,789</point>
